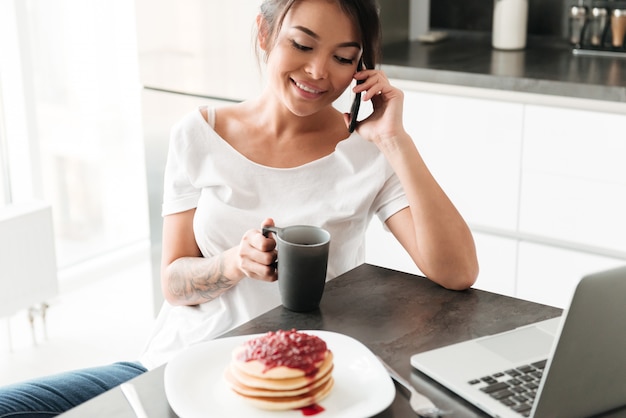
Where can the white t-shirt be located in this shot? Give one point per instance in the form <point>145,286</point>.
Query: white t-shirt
<point>339,192</point>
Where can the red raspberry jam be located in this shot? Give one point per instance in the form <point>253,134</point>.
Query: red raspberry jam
<point>312,410</point>
<point>293,349</point>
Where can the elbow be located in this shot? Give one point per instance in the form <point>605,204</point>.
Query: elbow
<point>467,278</point>
<point>167,295</point>
<point>166,288</point>
<point>460,274</point>
<point>457,277</point>
<point>172,298</point>
<point>461,282</point>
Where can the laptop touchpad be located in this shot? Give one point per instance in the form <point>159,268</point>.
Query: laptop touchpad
<point>520,345</point>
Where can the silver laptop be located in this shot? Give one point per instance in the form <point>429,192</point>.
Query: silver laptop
<point>570,366</point>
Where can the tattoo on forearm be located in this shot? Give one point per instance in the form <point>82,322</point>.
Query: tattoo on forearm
<point>194,280</point>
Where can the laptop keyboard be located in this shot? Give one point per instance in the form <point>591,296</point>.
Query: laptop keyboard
<point>515,388</point>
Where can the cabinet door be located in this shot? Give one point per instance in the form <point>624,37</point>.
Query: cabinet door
<point>497,260</point>
<point>574,177</point>
<point>549,275</point>
<point>200,47</point>
<point>473,148</point>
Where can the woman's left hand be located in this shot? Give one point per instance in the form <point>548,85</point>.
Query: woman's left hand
<point>387,103</point>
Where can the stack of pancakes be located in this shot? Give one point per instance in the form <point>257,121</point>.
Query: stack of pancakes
<point>280,370</point>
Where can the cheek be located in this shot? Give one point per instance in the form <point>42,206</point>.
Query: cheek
<point>280,62</point>
<point>345,80</point>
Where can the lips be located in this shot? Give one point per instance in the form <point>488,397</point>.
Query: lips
<point>307,89</point>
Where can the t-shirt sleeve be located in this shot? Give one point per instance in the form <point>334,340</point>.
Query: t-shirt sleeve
<point>179,193</point>
<point>391,198</point>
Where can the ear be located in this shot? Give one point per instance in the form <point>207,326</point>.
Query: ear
<point>262,32</point>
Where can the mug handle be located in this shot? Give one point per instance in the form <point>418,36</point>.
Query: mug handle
<point>267,229</point>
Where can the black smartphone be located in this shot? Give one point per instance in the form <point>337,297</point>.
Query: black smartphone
<point>356,104</point>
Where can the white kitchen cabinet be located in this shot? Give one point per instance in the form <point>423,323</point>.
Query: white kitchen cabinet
<point>472,147</point>
<point>549,275</point>
<point>574,181</point>
<point>497,259</point>
<point>541,183</point>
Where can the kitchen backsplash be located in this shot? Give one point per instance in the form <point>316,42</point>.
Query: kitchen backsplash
<point>545,17</point>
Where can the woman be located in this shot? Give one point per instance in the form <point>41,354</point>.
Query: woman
<point>288,157</point>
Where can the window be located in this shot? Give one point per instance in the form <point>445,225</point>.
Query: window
<point>5,189</point>
<point>73,134</point>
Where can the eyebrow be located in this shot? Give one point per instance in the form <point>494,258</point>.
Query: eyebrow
<point>317,37</point>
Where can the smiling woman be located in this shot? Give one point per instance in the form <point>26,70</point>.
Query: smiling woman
<point>288,155</point>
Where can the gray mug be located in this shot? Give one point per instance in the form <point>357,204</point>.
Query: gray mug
<point>302,264</point>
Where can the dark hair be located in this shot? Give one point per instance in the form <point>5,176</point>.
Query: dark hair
<point>364,14</point>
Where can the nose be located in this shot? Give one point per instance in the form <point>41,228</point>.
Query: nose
<point>317,67</point>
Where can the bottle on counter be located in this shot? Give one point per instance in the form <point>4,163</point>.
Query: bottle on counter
<point>510,18</point>
<point>577,23</point>
<point>618,27</point>
<point>598,25</point>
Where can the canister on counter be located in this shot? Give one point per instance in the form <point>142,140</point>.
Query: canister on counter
<point>510,18</point>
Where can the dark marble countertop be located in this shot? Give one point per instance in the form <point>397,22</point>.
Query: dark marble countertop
<point>393,314</point>
<point>546,66</point>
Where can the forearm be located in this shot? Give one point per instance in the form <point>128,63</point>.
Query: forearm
<point>195,280</point>
<point>443,246</point>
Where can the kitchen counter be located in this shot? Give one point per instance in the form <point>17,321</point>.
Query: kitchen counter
<point>392,313</point>
<point>546,66</point>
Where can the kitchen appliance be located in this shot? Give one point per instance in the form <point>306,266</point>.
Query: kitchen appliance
<point>403,20</point>
<point>191,53</point>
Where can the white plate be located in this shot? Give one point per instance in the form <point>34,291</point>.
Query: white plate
<point>195,385</point>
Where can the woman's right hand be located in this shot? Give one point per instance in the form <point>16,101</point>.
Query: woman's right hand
<point>257,254</point>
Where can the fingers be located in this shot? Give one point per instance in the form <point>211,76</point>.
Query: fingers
<point>346,119</point>
<point>257,254</point>
<point>375,83</point>
<point>267,222</point>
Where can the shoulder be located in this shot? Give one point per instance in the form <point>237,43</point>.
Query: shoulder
<point>195,119</point>
<point>225,112</point>
<point>192,130</point>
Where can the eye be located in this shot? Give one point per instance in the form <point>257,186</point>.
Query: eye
<point>300,47</point>
<point>342,60</point>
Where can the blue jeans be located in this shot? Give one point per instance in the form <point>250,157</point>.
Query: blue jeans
<point>50,396</point>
